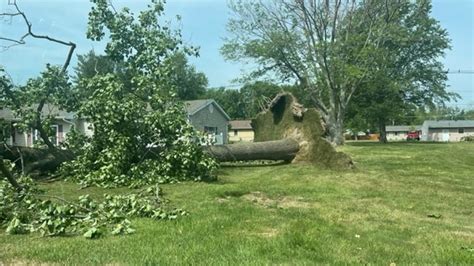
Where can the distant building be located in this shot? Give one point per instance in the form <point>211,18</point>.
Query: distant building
<point>241,130</point>
<point>447,130</point>
<point>208,117</point>
<point>399,133</point>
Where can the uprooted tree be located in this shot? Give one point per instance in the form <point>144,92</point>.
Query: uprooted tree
<point>286,131</point>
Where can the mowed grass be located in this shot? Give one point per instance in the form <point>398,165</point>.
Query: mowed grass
<point>404,203</point>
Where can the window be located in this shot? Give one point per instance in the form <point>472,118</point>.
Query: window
<point>54,138</point>
<point>461,130</point>
<point>210,130</point>
<point>396,133</point>
<point>236,133</point>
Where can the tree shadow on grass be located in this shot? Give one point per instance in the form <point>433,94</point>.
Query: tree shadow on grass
<point>392,144</point>
<point>252,164</point>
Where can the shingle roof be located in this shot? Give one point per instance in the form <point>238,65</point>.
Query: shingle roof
<point>8,114</point>
<point>240,124</point>
<point>449,123</point>
<point>195,106</point>
<point>401,128</point>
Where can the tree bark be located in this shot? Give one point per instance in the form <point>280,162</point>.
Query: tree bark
<point>383,132</point>
<point>36,160</point>
<point>40,161</point>
<point>336,130</point>
<point>284,150</point>
<point>6,173</point>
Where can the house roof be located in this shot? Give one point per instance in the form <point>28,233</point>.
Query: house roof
<point>448,123</point>
<point>401,128</point>
<point>240,124</point>
<point>48,109</point>
<point>194,106</point>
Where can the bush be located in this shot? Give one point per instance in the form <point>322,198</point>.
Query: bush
<point>467,138</point>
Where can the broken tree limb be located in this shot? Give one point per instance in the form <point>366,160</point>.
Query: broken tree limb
<point>33,160</point>
<point>285,149</point>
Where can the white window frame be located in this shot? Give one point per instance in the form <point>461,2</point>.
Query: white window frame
<point>35,135</point>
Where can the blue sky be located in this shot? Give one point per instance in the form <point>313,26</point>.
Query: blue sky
<point>203,24</point>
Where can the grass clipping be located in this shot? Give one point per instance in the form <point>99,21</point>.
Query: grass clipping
<point>286,118</point>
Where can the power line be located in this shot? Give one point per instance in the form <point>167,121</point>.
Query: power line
<point>460,72</point>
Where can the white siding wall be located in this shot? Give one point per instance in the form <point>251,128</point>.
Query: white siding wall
<point>399,136</point>
<point>85,127</point>
<point>25,139</point>
<point>436,134</point>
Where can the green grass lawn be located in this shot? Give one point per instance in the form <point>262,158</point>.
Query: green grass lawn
<point>405,203</point>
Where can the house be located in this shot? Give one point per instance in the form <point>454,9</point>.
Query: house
<point>241,130</point>
<point>446,130</point>
<point>399,133</point>
<point>205,115</point>
<point>208,117</point>
<point>62,123</point>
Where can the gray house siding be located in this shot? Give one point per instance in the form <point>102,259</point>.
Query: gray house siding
<point>210,117</point>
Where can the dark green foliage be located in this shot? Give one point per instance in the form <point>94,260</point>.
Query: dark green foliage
<point>230,100</point>
<point>280,122</point>
<point>189,83</point>
<point>249,100</point>
<point>467,138</point>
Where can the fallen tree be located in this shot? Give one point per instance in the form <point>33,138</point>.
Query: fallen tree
<point>38,162</point>
<point>35,161</point>
<point>277,150</point>
<point>286,131</point>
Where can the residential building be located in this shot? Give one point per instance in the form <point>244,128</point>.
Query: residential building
<point>240,130</point>
<point>399,133</point>
<point>447,130</point>
<point>207,116</point>
<point>62,123</point>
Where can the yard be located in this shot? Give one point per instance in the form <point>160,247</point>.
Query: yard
<point>405,203</point>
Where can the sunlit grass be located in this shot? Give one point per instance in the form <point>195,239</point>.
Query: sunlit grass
<point>404,203</point>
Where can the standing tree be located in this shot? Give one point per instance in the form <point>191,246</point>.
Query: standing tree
<point>190,84</point>
<point>406,74</point>
<point>229,99</point>
<point>329,46</point>
<point>90,65</point>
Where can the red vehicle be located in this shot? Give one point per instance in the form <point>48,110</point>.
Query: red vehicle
<point>413,135</point>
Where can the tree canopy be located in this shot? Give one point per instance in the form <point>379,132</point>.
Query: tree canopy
<point>335,48</point>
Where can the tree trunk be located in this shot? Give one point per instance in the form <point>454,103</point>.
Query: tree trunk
<point>38,125</point>
<point>36,160</point>
<point>6,173</point>
<point>336,131</point>
<point>285,150</point>
<point>383,132</point>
